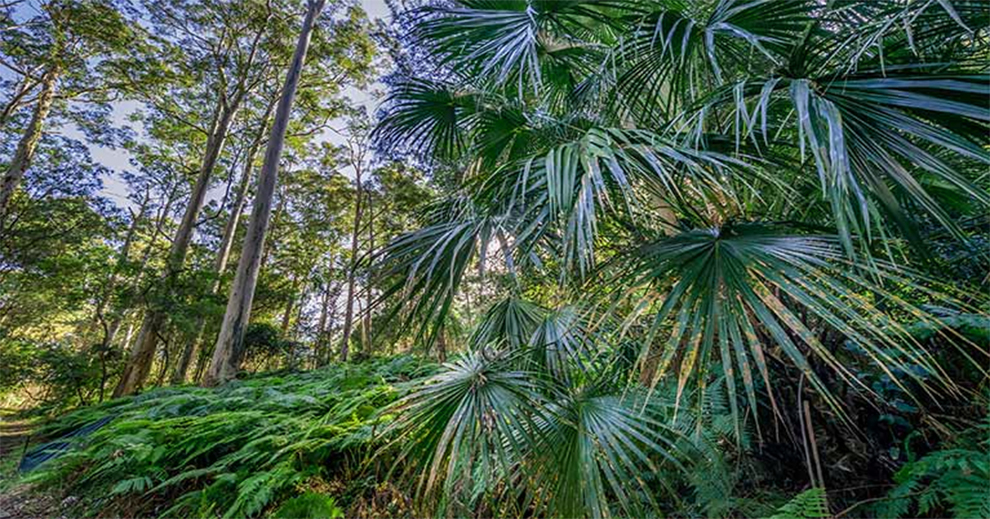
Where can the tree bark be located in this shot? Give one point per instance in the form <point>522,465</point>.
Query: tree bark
<point>139,364</point>
<point>100,318</point>
<point>189,351</point>
<point>287,316</point>
<point>118,319</point>
<point>351,271</point>
<point>223,366</point>
<point>367,338</point>
<point>321,325</point>
<point>25,151</point>
<point>328,316</point>
<point>441,346</point>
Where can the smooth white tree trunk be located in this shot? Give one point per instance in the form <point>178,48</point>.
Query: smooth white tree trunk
<point>189,351</point>
<point>143,353</point>
<point>223,366</point>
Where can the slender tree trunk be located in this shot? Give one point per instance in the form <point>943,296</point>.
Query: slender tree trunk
<point>324,310</point>
<point>352,270</point>
<point>118,319</point>
<point>367,338</point>
<point>326,330</point>
<point>24,153</point>
<point>300,315</point>
<point>441,346</point>
<point>143,353</point>
<point>321,326</point>
<point>287,316</point>
<point>100,318</point>
<point>223,367</point>
<point>189,351</point>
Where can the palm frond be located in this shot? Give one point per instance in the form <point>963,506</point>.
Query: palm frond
<point>734,291</point>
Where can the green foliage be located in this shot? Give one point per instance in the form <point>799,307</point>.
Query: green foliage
<point>309,505</point>
<point>955,479</point>
<point>683,195</point>
<point>231,452</point>
<point>65,375</point>
<point>810,504</point>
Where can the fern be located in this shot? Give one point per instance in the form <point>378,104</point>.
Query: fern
<point>810,504</point>
<point>235,451</point>
<point>956,479</point>
<point>309,505</point>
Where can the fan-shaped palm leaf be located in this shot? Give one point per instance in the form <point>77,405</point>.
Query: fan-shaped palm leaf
<point>731,292</point>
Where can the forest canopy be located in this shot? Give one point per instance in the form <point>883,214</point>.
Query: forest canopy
<point>495,258</point>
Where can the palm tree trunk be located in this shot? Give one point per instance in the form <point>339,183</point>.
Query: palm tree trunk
<point>441,346</point>
<point>223,366</point>
<point>24,153</point>
<point>139,363</point>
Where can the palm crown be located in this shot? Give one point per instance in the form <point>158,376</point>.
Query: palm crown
<point>716,185</point>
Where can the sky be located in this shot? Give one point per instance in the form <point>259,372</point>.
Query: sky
<point>118,160</point>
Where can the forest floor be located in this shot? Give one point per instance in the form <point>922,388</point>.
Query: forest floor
<point>19,500</point>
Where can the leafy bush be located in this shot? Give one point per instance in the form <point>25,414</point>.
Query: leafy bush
<point>65,375</point>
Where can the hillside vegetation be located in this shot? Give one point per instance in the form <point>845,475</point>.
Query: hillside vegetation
<point>562,259</point>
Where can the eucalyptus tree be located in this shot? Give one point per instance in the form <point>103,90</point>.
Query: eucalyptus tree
<point>395,193</point>
<point>228,49</point>
<point>684,194</point>
<point>356,154</point>
<point>347,37</point>
<point>60,52</point>
<point>240,197</point>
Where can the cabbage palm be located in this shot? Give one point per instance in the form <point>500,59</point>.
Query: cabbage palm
<point>711,183</point>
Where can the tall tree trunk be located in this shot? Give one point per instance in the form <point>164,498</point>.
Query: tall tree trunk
<point>100,318</point>
<point>279,211</point>
<point>329,316</point>
<point>118,319</point>
<point>321,326</point>
<point>24,153</point>
<point>352,270</point>
<point>143,353</point>
<point>223,253</point>
<point>441,345</point>
<point>367,338</point>
<point>287,316</point>
<point>223,366</point>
